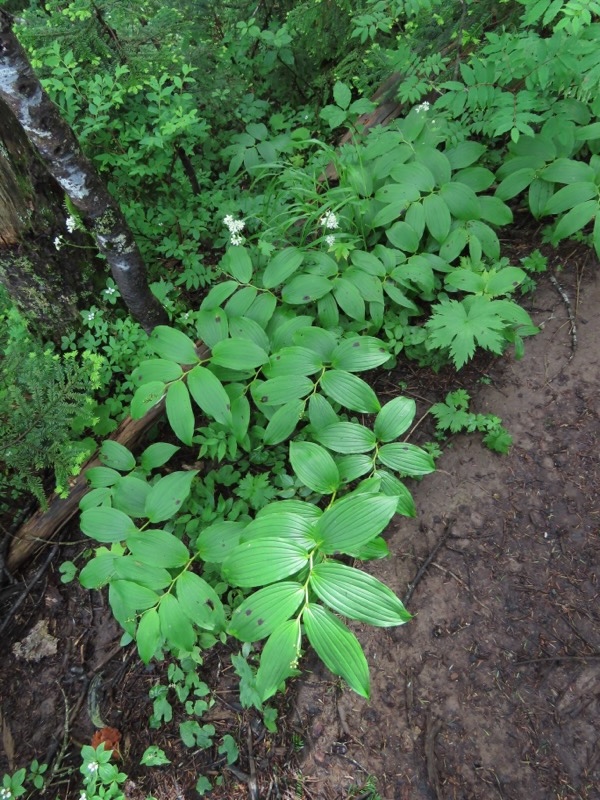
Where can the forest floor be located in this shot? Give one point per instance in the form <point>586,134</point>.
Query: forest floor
<point>491,692</point>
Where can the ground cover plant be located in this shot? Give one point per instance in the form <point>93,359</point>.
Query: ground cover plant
<point>297,283</point>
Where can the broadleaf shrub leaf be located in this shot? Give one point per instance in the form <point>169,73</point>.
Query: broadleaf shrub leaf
<point>265,610</point>
<point>179,412</point>
<point>353,521</point>
<point>394,419</point>
<point>315,467</point>
<point>173,345</point>
<point>167,495</point>
<point>279,658</point>
<point>263,561</point>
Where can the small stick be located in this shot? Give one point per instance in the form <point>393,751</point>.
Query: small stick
<point>28,587</point>
<point>565,298</point>
<point>555,658</point>
<point>252,785</point>
<point>413,584</point>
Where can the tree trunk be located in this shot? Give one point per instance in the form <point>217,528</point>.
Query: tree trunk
<point>48,286</point>
<point>50,135</point>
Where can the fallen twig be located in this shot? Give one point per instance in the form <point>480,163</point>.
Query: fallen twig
<point>423,568</point>
<point>28,587</point>
<point>565,298</point>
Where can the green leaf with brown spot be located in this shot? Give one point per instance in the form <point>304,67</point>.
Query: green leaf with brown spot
<point>261,613</point>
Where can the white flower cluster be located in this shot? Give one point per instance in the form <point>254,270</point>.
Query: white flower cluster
<point>423,107</point>
<point>93,767</point>
<point>5,794</point>
<point>58,244</point>
<point>109,290</point>
<point>329,221</point>
<point>235,227</point>
<point>71,224</point>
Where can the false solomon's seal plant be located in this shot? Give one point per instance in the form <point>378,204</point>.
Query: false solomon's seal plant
<point>291,562</point>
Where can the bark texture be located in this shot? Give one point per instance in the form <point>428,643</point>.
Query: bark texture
<point>54,140</point>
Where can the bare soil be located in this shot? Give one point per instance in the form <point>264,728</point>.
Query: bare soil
<point>491,691</point>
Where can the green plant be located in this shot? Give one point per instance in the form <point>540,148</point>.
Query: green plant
<point>101,779</point>
<point>24,781</point>
<point>453,415</point>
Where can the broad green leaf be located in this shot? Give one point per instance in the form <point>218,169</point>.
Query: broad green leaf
<point>240,417</point>
<point>596,234</point>
<point>465,280</point>
<point>342,94</point>
<point>399,195</point>
<point>245,328</point>
<point>493,210</point>
<point>265,610</point>
<point>368,263</point>
<point>305,289</point>
<point>407,459</point>
<point>117,456</point>
<point>281,390</point>
<point>349,298</point>
<point>167,495</point>
<point>320,341</point>
<point>237,263</point>
<point>173,345</point>
<point>315,467</point>
<point>146,397</point>
<point>359,354</point>
<point>238,354</point>
<point>414,174</point>
<point>460,326</point>
<point>368,285</point>
<point>320,412</point>
<point>575,219</point>
<point>175,626</point>
<point>565,170</point>
<point>218,295</point>
<point>391,486</point>
<point>130,569</point>
<point>435,161</point>
<point>487,238</point>
<point>505,281</point>
<point>300,508</point>
<point>337,647</point>
<point>415,217</point>
<point>293,361</point>
<point>284,422</point>
<point>106,524</point>
<point>402,236</point>
<point>353,466</point>
<point>279,658</point>
<point>570,196</point>
<point>349,391</point>
<point>130,494</point>
<point>212,326</point>
<point>102,477</point>
<point>179,412</point>
<point>96,497</point>
<point>394,418</point>
<point>199,602</point>
<point>346,437</point>
<point>375,549</point>
<point>454,244</point>
<point>353,521</point>
<point>122,611</point>
<point>148,637</point>
<point>133,595</point>
<point>156,455</point>
<point>461,200</point>
<point>240,301</point>
<point>476,178</point>
<point>539,194</point>
<point>98,571</point>
<point>437,217</point>
<point>156,369</point>
<point>158,548</point>
<point>357,595</point>
<point>464,154</point>
<point>218,540</point>
<point>209,393</point>
<point>286,524</point>
<point>262,561</point>
<point>515,183</point>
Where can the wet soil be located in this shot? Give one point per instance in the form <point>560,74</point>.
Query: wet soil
<point>491,691</point>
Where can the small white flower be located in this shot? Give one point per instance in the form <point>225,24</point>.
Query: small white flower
<point>234,225</point>
<point>58,242</point>
<point>71,224</point>
<point>236,239</point>
<point>93,767</point>
<point>83,796</point>
<point>330,240</point>
<point>110,290</point>
<point>423,107</point>
<point>90,316</point>
<point>5,794</point>
<point>186,315</point>
<point>329,220</point>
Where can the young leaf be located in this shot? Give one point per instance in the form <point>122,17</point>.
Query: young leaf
<point>98,571</point>
<point>209,393</point>
<point>346,437</point>
<point>279,658</point>
<point>353,521</point>
<point>156,369</point>
<point>179,412</point>
<point>350,391</point>
<point>147,636</point>
<point>342,94</point>
<point>106,524</point>
<point>167,495</point>
<point>115,455</point>
<point>357,595</point>
<point>394,418</point>
<point>199,602</point>
<point>263,561</point>
<point>315,467</point>
<point>158,548</point>
<point>237,263</point>
<point>265,610</point>
<point>337,647</point>
<point>175,626</point>
<point>460,326</point>
<point>130,494</point>
<point>238,354</point>
<point>173,345</point>
<point>407,459</point>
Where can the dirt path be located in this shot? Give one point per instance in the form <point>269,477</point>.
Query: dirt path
<point>493,690</point>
